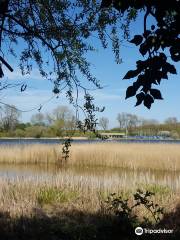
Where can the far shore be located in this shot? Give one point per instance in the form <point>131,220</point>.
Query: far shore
<point>56,138</point>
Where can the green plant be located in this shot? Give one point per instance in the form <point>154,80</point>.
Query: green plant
<point>50,195</point>
<point>144,198</point>
<point>66,148</point>
<point>125,211</point>
<point>158,189</point>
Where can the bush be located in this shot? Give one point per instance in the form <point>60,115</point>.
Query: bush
<point>125,211</point>
<point>20,133</point>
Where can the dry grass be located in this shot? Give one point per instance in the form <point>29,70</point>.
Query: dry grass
<point>70,204</point>
<point>29,154</point>
<point>67,190</point>
<point>132,156</point>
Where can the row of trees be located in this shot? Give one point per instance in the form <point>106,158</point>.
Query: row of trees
<point>59,122</point>
<point>62,122</point>
<point>132,124</point>
<point>130,121</point>
<point>127,120</point>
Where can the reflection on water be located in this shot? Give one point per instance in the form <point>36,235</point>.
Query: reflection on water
<point>29,141</point>
<point>104,175</point>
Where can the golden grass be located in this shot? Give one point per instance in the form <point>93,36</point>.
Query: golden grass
<point>29,154</point>
<point>131,156</point>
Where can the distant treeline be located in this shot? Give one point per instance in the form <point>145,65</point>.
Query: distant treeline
<point>163,129</point>
<point>133,125</point>
<point>58,123</point>
<point>61,122</point>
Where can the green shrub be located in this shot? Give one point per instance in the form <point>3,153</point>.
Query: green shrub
<point>125,210</point>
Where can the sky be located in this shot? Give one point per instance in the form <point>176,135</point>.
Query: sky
<point>112,96</point>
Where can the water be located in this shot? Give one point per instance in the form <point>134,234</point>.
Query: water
<point>7,141</point>
<point>108,177</point>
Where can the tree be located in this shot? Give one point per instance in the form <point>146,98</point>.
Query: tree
<point>35,131</point>
<point>103,122</point>
<point>171,120</point>
<point>148,122</point>
<point>60,113</point>
<point>127,120</point>
<point>121,118</point>
<point>38,119</point>
<point>9,117</point>
<point>134,120</point>
<point>62,120</point>
<point>55,37</point>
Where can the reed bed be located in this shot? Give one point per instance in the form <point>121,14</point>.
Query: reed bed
<point>29,154</point>
<point>20,196</point>
<point>132,156</point>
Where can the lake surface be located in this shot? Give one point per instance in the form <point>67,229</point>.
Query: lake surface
<point>107,177</point>
<point>57,141</point>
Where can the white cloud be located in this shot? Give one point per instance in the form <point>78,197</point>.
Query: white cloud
<point>33,98</point>
<point>16,75</point>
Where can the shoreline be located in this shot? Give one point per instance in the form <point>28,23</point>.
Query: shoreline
<point>93,139</point>
<point>44,138</point>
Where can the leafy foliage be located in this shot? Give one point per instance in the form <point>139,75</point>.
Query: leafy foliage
<point>66,148</point>
<point>90,122</point>
<point>122,208</point>
<point>53,35</point>
<point>154,43</point>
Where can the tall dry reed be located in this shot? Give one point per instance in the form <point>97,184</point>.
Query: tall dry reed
<point>29,154</point>
<point>131,156</point>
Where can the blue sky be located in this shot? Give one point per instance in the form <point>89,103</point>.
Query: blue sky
<point>112,96</point>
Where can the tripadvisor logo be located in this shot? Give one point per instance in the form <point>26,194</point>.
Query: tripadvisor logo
<point>138,231</point>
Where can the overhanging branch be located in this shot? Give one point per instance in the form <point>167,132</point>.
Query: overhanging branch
<point>6,64</point>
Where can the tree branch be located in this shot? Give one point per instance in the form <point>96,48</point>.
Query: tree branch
<point>6,64</point>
